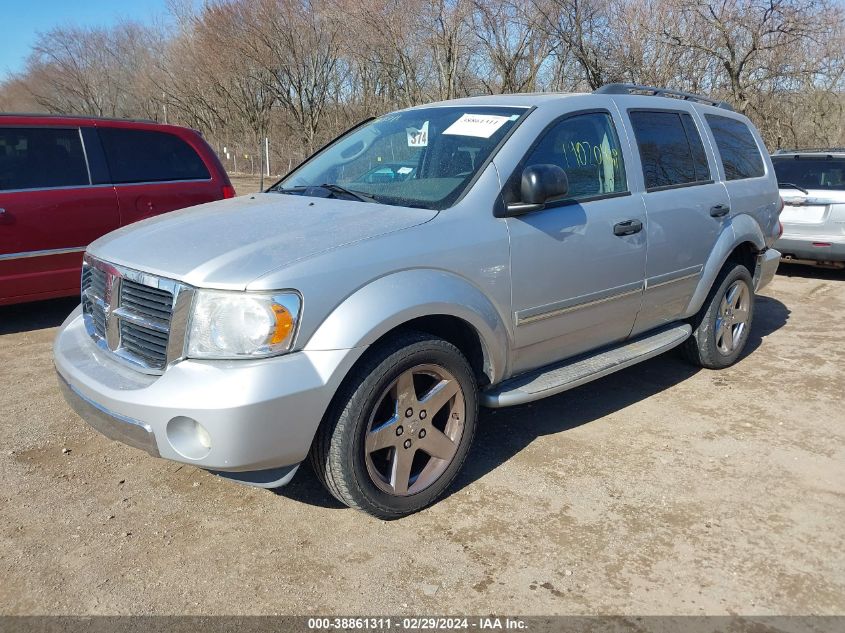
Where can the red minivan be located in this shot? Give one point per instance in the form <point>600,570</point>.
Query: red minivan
<point>65,181</point>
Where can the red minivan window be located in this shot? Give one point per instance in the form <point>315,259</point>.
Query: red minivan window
<point>146,156</point>
<point>41,158</point>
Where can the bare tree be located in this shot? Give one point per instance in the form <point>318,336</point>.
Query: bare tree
<point>515,48</point>
<point>301,71</point>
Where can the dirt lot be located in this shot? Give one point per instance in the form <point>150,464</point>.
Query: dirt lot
<point>659,490</point>
<point>250,184</point>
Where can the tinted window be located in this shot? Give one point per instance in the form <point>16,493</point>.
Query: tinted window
<point>37,158</point>
<point>146,156</point>
<point>811,172</point>
<point>699,158</point>
<point>737,147</point>
<point>670,149</point>
<point>587,148</point>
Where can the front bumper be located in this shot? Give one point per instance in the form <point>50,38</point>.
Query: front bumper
<point>803,249</point>
<point>258,417</point>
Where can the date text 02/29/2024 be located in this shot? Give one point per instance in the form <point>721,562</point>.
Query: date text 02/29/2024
<point>416,623</point>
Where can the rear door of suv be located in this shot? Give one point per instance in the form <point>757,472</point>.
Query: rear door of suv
<point>751,186</point>
<point>155,171</point>
<point>49,210</point>
<point>686,207</point>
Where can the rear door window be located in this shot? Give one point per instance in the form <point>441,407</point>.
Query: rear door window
<point>737,147</point>
<point>671,150</point>
<point>811,172</point>
<point>41,158</point>
<point>137,156</point>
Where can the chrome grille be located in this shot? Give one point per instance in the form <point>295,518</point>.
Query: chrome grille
<point>129,313</point>
<point>144,313</point>
<point>93,298</point>
<point>144,343</point>
<point>151,302</point>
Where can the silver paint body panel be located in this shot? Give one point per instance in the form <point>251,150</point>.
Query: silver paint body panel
<point>537,289</point>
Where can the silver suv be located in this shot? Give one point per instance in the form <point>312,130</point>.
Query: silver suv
<point>812,185</point>
<point>512,247</point>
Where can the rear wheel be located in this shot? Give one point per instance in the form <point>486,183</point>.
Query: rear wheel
<point>399,431</point>
<point>722,326</point>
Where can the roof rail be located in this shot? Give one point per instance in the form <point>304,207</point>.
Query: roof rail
<point>812,150</point>
<point>631,89</point>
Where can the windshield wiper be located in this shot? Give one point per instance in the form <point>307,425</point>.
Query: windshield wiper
<point>791,185</point>
<point>289,190</point>
<point>359,195</point>
<point>329,186</point>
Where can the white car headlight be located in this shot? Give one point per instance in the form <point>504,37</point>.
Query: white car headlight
<point>242,324</point>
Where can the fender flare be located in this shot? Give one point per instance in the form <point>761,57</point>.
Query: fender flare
<point>742,228</point>
<point>390,301</point>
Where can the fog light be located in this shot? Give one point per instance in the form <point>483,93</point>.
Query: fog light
<point>203,436</point>
<point>188,437</point>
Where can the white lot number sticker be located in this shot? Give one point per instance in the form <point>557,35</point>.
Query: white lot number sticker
<point>481,125</point>
<point>418,137</point>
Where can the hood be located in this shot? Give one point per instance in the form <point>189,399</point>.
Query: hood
<point>229,243</point>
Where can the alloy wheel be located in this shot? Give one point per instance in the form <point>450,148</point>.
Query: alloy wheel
<point>414,430</point>
<point>732,318</point>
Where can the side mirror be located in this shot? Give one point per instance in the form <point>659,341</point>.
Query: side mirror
<point>540,184</point>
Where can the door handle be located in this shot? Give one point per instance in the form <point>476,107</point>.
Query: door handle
<point>4,218</point>
<point>719,210</point>
<point>628,227</point>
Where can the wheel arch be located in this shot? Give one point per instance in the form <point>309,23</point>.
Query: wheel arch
<point>433,301</point>
<point>740,241</point>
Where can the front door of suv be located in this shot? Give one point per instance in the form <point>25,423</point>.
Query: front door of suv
<point>686,210</point>
<point>577,265</point>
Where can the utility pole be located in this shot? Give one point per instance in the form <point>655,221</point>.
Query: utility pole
<point>261,169</point>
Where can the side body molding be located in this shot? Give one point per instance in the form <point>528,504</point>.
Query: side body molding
<point>741,228</point>
<point>383,304</point>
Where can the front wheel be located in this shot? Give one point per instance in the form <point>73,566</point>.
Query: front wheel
<point>400,429</point>
<point>722,326</point>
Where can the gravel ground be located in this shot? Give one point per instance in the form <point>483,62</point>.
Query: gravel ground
<point>659,490</point>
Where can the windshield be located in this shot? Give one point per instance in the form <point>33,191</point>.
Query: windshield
<point>424,157</point>
<point>811,173</point>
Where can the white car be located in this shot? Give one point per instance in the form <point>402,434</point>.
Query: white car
<point>812,185</point>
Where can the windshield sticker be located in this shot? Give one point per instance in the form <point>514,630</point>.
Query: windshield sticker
<point>418,137</point>
<point>404,170</point>
<point>480,125</point>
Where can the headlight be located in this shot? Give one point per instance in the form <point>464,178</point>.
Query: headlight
<point>242,324</point>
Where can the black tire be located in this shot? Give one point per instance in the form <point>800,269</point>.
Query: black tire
<point>703,348</point>
<point>341,455</point>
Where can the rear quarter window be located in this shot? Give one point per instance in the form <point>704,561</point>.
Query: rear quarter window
<point>739,152</point>
<point>149,156</point>
<point>41,158</point>
<point>671,150</point>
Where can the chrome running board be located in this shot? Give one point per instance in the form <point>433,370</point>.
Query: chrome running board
<point>559,377</point>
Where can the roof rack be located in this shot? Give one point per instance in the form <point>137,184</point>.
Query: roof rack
<point>812,150</point>
<point>637,89</point>
<point>47,115</point>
